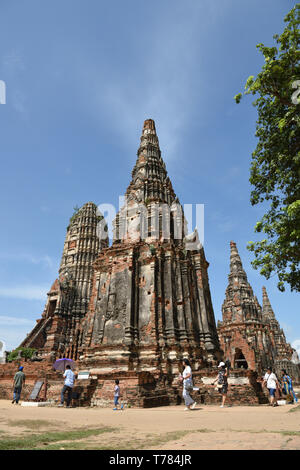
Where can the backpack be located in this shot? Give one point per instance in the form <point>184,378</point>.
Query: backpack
<point>221,380</point>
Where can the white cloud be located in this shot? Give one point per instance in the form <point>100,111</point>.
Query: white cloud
<point>286,328</point>
<point>6,320</point>
<point>45,259</point>
<point>296,345</point>
<point>29,292</point>
<point>13,330</point>
<point>164,83</point>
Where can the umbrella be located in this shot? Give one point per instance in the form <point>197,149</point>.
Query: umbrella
<point>61,364</point>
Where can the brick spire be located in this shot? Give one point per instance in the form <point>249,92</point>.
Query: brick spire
<point>236,267</point>
<point>150,181</point>
<point>240,302</point>
<point>268,313</point>
<point>84,240</point>
<point>284,351</point>
<point>144,215</point>
<point>235,260</point>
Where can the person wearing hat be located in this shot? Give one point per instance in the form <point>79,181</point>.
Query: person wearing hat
<point>222,384</point>
<point>19,381</point>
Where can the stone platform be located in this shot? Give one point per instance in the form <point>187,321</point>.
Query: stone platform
<point>138,389</point>
<point>36,403</point>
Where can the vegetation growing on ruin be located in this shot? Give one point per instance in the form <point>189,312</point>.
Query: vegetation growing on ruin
<point>26,353</point>
<point>76,210</point>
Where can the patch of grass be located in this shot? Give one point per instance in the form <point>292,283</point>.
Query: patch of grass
<point>146,441</point>
<point>37,440</point>
<point>297,408</point>
<point>289,433</point>
<point>160,439</point>
<point>33,424</point>
<point>84,445</point>
<point>65,446</point>
<point>264,431</point>
<point>204,430</point>
<point>118,445</point>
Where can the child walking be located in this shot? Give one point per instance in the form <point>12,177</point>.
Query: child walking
<point>116,394</point>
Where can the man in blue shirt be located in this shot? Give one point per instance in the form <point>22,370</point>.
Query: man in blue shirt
<point>68,386</point>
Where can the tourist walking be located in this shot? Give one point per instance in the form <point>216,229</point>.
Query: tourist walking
<point>19,381</point>
<point>288,387</point>
<point>116,394</point>
<point>187,380</point>
<point>271,381</point>
<point>68,386</point>
<point>222,383</point>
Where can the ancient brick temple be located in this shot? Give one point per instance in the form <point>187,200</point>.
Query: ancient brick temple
<point>250,336</point>
<point>135,309</point>
<point>141,304</point>
<point>57,333</point>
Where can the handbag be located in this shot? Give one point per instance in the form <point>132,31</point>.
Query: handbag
<point>189,386</point>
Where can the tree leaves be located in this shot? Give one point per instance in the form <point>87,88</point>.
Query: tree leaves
<point>275,165</point>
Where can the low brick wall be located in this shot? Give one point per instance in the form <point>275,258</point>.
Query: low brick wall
<point>137,389</point>
<point>33,371</point>
<point>243,388</point>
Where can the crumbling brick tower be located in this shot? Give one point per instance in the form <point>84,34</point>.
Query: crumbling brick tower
<point>285,357</point>
<point>57,333</point>
<point>244,337</point>
<point>250,336</point>
<point>283,349</point>
<point>151,303</point>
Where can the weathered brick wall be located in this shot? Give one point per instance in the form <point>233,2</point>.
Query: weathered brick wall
<point>137,389</point>
<point>33,371</point>
<point>233,338</point>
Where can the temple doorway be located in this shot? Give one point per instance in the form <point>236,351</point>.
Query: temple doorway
<point>240,360</point>
<point>52,307</point>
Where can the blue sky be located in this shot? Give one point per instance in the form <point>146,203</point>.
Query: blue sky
<point>81,77</point>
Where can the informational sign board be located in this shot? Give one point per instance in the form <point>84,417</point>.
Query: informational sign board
<point>83,375</point>
<point>36,390</point>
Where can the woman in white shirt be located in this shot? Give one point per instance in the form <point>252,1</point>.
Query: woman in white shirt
<point>272,383</point>
<point>187,385</point>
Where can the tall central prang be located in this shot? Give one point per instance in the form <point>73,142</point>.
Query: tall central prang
<point>141,304</point>
<point>150,304</point>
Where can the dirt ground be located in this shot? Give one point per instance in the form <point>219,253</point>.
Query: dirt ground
<point>170,428</point>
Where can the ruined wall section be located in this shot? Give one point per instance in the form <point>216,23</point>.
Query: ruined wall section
<point>150,308</point>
